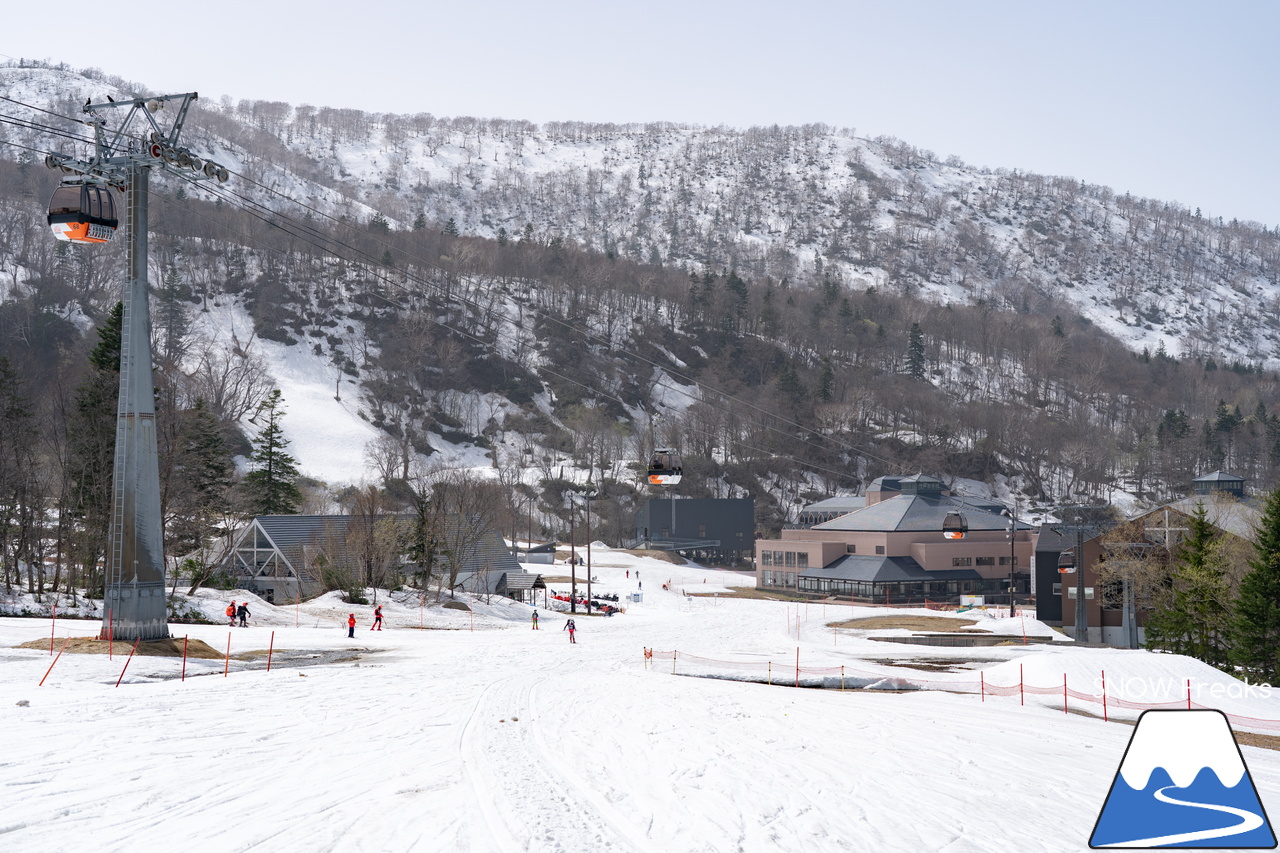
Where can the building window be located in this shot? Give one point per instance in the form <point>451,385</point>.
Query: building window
<point>802,559</point>
<point>1088,593</point>
<point>777,558</point>
<point>791,558</point>
<point>1057,589</point>
<point>962,561</point>
<point>791,578</point>
<point>766,558</point>
<point>851,549</point>
<point>1004,561</point>
<point>879,549</point>
<point>989,561</point>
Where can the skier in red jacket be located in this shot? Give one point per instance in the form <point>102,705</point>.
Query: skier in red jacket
<point>377,619</point>
<point>231,614</point>
<point>351,625</point>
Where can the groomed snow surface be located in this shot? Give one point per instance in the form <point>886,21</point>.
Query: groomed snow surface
<point>476,733</point>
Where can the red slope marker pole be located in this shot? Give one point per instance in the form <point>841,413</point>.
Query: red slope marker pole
<point>1022,698</point>
<point>1104,696</point>
<point>797,666</point>
<point>55,660</point>
<point>126,663</point>
<point>1188,694</point>
<point>270,649</point>
<point>982,685</point>
<point>1064,693</point>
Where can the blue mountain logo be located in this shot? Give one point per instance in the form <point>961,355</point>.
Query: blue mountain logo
<point>1183,783</point>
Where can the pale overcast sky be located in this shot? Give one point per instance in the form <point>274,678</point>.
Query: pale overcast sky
<point>1162,98</point>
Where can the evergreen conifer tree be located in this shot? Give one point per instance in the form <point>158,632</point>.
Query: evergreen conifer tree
<point>1255,636</point>
<point>272,482</point>
<point>1196,618</point>
<point>915,352</point>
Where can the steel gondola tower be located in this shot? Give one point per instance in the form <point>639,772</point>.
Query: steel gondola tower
<point>134,596</point>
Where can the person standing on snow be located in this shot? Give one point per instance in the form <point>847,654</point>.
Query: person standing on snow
<point>243,612</point>
<point>571,628</point>
<point>351,626</point>
<point>231,614</point>
<point>377,619</point>
<point>535,620</point>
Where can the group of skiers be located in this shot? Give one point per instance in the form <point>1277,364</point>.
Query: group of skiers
<point>241,612</point>
<point>568,626</point>
<point>376,626</point>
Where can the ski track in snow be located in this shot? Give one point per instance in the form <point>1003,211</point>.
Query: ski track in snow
<point>397,743</point>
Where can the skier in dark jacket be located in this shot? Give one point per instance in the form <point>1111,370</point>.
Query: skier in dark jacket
<point>243,613</point>
<point>571,628</point>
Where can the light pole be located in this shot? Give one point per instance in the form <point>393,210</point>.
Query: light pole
<point>573,559</point>
<point>1013,554</point>
<point>589,495</point>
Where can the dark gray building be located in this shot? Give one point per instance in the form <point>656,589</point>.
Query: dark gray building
<point>714,529</point>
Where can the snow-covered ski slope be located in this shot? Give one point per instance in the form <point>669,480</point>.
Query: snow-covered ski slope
<point>503,739</point>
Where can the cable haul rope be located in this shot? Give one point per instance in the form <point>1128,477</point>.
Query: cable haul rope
<point>791,673</point>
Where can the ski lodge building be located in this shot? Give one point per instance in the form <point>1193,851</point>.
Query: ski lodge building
<point>893,550</point>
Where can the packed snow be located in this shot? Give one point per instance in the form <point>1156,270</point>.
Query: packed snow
<point>457,730</point>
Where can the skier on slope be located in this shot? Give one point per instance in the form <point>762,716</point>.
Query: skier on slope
<point>351,626</point>
<point>377,619</point>
<point>243,613</point>
<point>535,620</point>
<point>571,628</point>
<point>231,614</point>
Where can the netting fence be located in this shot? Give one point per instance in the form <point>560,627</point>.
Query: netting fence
<point>1182,693</point>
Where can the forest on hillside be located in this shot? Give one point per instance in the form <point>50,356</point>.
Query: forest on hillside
<point>571,343</point>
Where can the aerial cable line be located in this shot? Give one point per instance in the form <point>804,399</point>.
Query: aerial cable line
<point>26,124</point>
<point>375,271</point>
<point>42,110</point>
<point>593,337</point>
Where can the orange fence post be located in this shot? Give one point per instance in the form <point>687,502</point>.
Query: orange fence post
<point>1188,694</point>
<point>126,663</point>
<point>185,637</point>
<point>271,648</point>
<point>227,666</point>
<point>55,660</point>
<point>1104,696</point>
<point>1064,693</point>
<point>982,685</point>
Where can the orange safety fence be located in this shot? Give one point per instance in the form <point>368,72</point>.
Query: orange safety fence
<point>791,672</point>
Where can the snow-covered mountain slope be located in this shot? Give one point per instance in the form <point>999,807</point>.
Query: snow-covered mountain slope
<point>802,203</point>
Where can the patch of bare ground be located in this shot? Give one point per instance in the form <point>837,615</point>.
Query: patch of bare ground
<point>152,648</point>
<point>561,579</point>
<point>748,592</point>
<point>907,623</point>
<point>665,556</point>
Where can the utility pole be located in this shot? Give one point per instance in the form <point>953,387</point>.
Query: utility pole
<point>133,604</point>
<point>1078,526</point>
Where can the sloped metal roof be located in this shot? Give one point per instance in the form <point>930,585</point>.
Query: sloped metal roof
<point>877,569</point>
<point>916,514</point>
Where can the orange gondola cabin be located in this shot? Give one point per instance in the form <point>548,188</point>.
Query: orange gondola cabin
<point>83,213</point>
<point>664,467</point>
